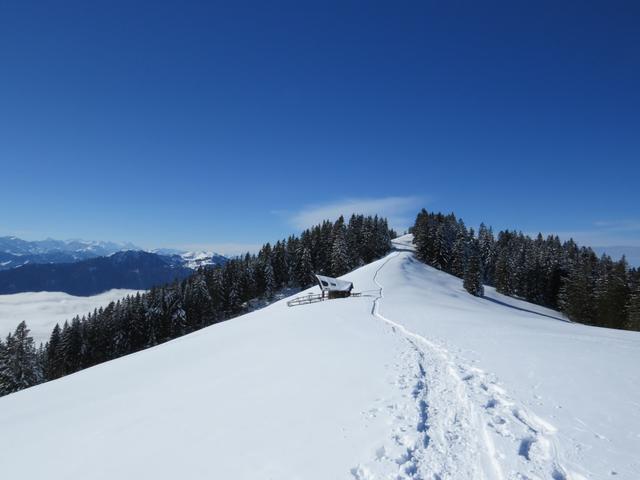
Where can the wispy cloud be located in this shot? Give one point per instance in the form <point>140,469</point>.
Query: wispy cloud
<point>605,234</point>
<point>619,225</point>
<point>400,211</point>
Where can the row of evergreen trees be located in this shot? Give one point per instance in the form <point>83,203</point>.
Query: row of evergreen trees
<point>209,296</point>
<point>587,288</point>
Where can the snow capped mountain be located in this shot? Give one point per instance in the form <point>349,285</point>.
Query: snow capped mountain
<point>195,260</point>
<point>17,246</point>
<point>191,259</point>
<point>414,379</point>
<point>15,252</point>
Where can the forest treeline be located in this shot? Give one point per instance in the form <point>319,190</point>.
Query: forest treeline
<point>210,295</point>
<point>591,289</point>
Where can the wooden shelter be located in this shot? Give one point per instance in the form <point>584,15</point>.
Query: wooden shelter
<point>333,287</point>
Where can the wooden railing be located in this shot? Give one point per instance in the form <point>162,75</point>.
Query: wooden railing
<point>313,298</point>
<point>304,299</point>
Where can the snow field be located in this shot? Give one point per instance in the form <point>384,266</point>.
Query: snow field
<point>416,379</point>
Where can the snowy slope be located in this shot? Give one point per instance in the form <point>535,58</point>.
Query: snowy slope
<point>42,310</point>
<point>416,379</point>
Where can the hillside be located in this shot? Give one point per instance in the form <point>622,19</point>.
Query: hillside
<point>415,379</point>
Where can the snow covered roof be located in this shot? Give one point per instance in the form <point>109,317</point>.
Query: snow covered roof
<point>329,284</point>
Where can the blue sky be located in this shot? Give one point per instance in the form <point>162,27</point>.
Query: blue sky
<point>228,124</point>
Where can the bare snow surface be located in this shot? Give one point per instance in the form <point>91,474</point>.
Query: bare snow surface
<point>42,310</point>
<point>414,380</point>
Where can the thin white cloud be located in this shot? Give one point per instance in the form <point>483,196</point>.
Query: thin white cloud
<point>604,234</point>
<point>619,225</point>
<point>400,211</point>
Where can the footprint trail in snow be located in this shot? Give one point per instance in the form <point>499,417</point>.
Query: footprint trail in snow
<point>454,421</point>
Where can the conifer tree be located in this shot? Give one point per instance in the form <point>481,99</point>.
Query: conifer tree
<point>303,268</point>
<point>421,237</point>
<point>54,360</point>
<point>487,253</point>
<point>459,253</point>
<point>269,280</point>
<point>473,273</point>
<point>72,345</point>
<point>279,265</point>
<point>339,253</point>
<point>612,293</point>
<point>633,309</point>
<point>576,294</point>
<point>502,276</point>
<point>18,361</point>
<point>354,240</point>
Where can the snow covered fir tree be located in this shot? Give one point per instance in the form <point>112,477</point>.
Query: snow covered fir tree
<point>19,361</point>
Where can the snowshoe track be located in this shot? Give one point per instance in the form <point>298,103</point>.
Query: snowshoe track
<point>455,421</point>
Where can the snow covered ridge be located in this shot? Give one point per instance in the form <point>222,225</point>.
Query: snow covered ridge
<point>192,260</point>
<point>195,260</point>
<point>416,379</point>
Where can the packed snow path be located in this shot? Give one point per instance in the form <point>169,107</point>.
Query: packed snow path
<point>446,434</point>
<point>416,379</point>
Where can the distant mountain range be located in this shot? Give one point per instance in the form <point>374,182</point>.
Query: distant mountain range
<point>86,268</point>
<point>15,252</point>
<point>18,246</point>
<point>131,269</point>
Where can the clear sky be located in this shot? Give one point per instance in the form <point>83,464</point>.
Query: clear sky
<point>230,124</point>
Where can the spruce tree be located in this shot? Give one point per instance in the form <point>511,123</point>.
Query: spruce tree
<point>473,273</point>
<point>459,253</point>
<point>339,253</point>
<point>303,268</point>
<point>54,360</point>
<point>612,293</point>
<point>576,294</point>
<point>354,240</point>
<point>269,280</point>
<point>502,276</point>
<point>18,363</point>
<point>633,309</point>
<point>421,238</point>
<point>487,253</point>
